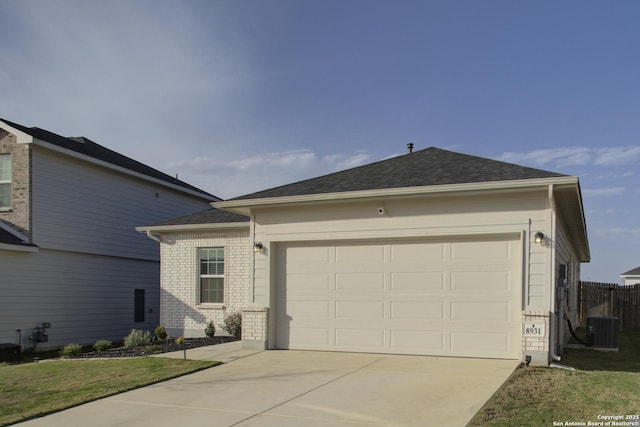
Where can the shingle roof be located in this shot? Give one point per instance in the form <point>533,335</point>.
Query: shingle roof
<point>207,216</point>
<point>431,166</point>
<point>634,272</point>
<point>89,148</point>
<point>8,238</point>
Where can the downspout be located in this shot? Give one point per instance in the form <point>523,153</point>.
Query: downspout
<point>153,236</point>
<point>554,302</point>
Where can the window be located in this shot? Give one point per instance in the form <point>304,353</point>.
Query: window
<point>5,180</point>
<point>212,275</point>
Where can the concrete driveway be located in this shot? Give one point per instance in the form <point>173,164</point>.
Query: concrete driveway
<point>296,388</point>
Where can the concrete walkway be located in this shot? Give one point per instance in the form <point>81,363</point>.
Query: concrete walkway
<point>302,388</point>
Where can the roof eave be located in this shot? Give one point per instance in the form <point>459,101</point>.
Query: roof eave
<point>244,206</point>
<point>192,227</point>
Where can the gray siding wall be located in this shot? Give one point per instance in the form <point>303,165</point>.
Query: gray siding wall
<point>84,297</point>
<point>82,207</point>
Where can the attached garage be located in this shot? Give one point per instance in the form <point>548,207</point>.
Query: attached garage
<point>430,253</point>
<point>450,297</point>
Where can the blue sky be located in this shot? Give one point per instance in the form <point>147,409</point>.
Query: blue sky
<point>238,96</point>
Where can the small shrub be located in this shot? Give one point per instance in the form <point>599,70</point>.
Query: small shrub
<point>160,332</point>
<point>102,345</point>
<point>210,330</point>
<point>233,324</point>
<point>153,348</point>
<point>72,349</point>
<point>180,340</point>
<point>136,338</point>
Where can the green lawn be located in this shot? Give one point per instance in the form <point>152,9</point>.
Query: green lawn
<point>34,389</point>
<point>605,383</point>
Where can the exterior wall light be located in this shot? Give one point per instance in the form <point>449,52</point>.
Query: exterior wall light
<point>257,247</point>
<point>539,237</point>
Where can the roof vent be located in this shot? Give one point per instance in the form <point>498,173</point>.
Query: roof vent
<point>410,147</point>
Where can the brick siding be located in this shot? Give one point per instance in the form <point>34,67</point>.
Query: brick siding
<point>180,311</point>
<point>19,215</point>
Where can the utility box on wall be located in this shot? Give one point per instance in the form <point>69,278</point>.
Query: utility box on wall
<point>602,332</point>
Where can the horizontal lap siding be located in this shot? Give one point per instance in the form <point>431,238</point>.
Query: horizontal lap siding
<point>84,297</point>
<point>82,207</point>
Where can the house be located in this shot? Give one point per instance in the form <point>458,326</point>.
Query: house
<point>631,277</point>
<point>72,266</point>
<point>429,253</point>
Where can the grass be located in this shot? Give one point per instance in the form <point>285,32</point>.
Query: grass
<point>605,383</point>
<point>35,389</point>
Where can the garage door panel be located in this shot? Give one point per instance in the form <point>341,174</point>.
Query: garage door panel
<point>354,338</point>
<point>359,253</point>
<point>316,254</point>
<point>467,281</point>
<point>308,281</point>
<point>481,311</point>
<point>300,337</point>
<point>475,251</point>
<point>420,252</point>
<point>417,297</point>
<point>360,310</point>
<point>359,281</point>
<point>413,281</point>
<point>417,310</point>
<point>300,309</point>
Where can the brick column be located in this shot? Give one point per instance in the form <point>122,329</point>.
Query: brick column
<point>536,346</point>
<point>255,327</point>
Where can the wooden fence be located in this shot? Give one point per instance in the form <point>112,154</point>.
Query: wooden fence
<point>610,300</point>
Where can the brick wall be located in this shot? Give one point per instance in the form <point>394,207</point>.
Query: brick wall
<point>19,215</point>
<point>180,311</point>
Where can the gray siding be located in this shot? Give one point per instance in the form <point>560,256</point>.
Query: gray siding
<point>84,297</point>
<point>82,207</point>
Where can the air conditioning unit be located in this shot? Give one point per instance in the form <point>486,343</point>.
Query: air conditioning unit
<point>9,352</point>
<point>602,332</point>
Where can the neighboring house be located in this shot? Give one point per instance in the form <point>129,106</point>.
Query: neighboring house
<point>631,277</point>
<point>69,254</point>
<point>431,253</point>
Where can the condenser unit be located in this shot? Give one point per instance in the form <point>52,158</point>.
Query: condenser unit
<point>602,332</point>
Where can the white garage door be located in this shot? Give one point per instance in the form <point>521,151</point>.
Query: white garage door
<point>459,297</point>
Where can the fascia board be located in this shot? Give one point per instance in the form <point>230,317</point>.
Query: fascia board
<point>111,166</point>
<point>193,227</point>
<point>243,206</point>
<point>21,137</point>
<point>19,248</point>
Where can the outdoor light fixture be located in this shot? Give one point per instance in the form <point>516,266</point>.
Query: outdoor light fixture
<point>257,247</point>
<point>539,237</point>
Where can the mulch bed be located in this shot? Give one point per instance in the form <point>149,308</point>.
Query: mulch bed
<point>156,347</point>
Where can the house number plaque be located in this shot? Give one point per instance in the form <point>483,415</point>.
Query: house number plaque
<point>533,330</point>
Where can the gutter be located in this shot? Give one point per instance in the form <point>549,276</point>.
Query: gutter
<point>153,236</point>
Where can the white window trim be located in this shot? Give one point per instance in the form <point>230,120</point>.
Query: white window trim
<point>213,305</point>
<point>8,181</point>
